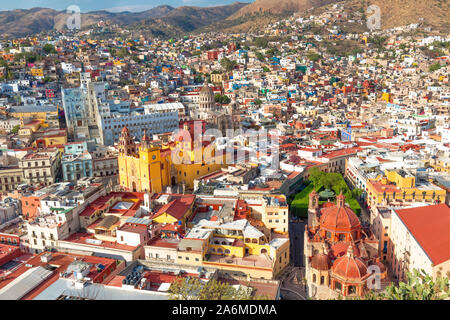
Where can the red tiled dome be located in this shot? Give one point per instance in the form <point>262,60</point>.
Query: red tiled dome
<point>349,267</point>
<point>339,217</point>
<point>321,262</point>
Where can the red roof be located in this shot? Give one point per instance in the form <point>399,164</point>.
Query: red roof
<point>349,267</point>
<point>339,218</point>
<point>430,226</point>
<point>177,207</point>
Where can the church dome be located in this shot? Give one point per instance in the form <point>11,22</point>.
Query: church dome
<point>321,262</point>
<point>349,267</point>
<point>206,91</point>
<point>339,218</point>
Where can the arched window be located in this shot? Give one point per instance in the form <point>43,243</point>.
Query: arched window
<point>314,278</point>
<point>352,290</point>
<point>254,241</point>
<point>224,243</point>
<point>341,237</point>
<point>227,251</point>
<point>219,250</point>
<point>263,250</point>
<point>338,286</point>
<point>322,280</point>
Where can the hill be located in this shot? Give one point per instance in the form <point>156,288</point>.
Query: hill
<point>280,6</point>
<point>160,20</point>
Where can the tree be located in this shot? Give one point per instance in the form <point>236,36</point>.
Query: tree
<point>194,289</point>
<point>223,99</point>
<point>356,193</point>
<point>227,64</point>
<point>418,286</point>
<point>48,48</point>
<point>316,176</point>
<point>257,101</point>
<point>434,67</point>
<point>15,130</point>
<point>261,42</point>
<point>259,56</point>
<point>314,57</point>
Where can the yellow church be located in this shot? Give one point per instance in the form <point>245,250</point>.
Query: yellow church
<point>149,168</point>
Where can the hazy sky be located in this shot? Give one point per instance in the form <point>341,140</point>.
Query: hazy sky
<point>110,5</point>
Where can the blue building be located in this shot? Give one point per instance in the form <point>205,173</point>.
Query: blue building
<point>76,161</point>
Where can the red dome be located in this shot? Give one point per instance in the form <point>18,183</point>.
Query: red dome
<point>349,267</point>
<point>321,262</point>
<point>339,218</point>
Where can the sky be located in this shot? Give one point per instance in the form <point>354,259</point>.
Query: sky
<point>109,5</point>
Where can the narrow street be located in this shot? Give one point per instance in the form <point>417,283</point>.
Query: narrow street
<point>291,288</point>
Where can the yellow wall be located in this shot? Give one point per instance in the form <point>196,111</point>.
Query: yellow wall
<point>165,218</point>
<point>37,72</point>
<point>400,182</point>
<point>376,198</point>
<point>152,172</point>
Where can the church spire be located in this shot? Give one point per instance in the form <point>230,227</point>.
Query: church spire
<point>126,143</point>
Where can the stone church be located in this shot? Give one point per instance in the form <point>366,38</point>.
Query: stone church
<point>215,116</point>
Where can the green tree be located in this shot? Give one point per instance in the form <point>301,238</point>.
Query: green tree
<point>194,289</point>
<point>15,130</point>
<point>223,99</point>
<point>316,176</point>
<point>314,57</point>
<point>48,48</point>
<point>259,56</point>
<point>261,42</point>
<point>357,192</point>
<point>418,286</point>
<point>434,67</point>
<point>227,64</point>
<point>257,101</point>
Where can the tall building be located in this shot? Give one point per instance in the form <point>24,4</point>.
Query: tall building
<point>81,106</point>
<point>154,119</point>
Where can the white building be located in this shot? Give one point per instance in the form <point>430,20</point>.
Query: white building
<point>420,240</point>
<point>160,118</point>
